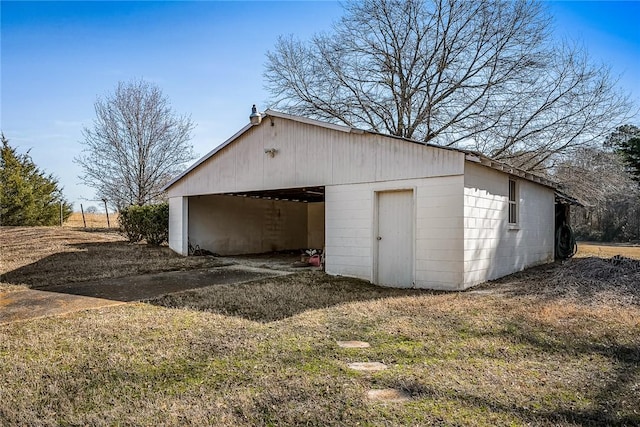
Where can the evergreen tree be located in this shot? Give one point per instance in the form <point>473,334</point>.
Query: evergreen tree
<point>27,195</point>
<point>626,141</point>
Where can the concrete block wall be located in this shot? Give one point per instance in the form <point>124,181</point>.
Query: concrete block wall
<point>439,244</point>
<point>230,225</point>
<point>315,225</point>
<point>178,214</point>
<point>492,247</point>
<point>351,227</point>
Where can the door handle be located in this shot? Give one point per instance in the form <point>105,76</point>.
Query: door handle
<point>379,238</point>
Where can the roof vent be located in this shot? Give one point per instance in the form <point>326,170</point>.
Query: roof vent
<point>255,118</point>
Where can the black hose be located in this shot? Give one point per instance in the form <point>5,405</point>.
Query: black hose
<point>566,245</point>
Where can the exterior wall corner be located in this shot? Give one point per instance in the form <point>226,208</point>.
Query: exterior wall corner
<point>179,225</point>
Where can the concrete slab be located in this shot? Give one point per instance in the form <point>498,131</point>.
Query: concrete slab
<point>30,304</point>
<point>149,286</point>
<point>353,344</point>
<point>367,366</point>
<point>390,395</point>
<point>56,300</point>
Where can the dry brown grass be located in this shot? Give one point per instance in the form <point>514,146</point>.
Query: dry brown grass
<point>279,298</point>
<point>96,220</point>
<point>604,250</point>
<point>266,354</point>
<point>588,281</point>
<point>39,257</point>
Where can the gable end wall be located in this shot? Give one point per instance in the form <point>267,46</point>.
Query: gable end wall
<point>309,155</point>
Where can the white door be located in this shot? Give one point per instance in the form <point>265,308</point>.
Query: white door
<point>395,238</point>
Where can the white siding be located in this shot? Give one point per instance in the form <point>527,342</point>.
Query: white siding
<point>493,248</point>
<point>350,229</point>
<point>178,215</point>
<point>229,225</point>
<point>309,155</point>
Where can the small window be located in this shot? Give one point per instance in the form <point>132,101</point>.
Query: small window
<point>513,202</point>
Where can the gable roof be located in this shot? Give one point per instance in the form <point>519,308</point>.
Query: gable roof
<point>471,156</point>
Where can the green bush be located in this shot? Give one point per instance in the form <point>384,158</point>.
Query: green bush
<point>149,222</point>
<point>130,219</point>
<point>157,224</point>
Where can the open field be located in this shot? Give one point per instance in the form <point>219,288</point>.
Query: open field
<point>602,250</point>
<point>526,350</point>
<point>92,220</point>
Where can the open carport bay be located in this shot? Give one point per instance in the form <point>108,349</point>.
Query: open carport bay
<point>257,222</point>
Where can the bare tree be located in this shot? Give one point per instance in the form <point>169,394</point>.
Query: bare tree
<point>479,75</point>
<point>599,178</point>
<point>135,145</point>
<point>593,174</point>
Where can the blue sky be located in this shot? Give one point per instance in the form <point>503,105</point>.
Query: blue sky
<point>207,57</point>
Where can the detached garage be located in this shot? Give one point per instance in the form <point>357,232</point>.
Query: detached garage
<point>388,210</point>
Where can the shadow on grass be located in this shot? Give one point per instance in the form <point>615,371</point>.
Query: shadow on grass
<point>131,272</point>
<point>618,392</point>
<point>612,402</point>
<point>603,415</point>
<point>278,298</point>
<point>85,262</point>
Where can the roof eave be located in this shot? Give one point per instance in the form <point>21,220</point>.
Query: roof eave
<point>503,167</point>
<point>471,156</point>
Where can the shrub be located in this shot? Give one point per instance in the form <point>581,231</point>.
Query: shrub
<point>156,224</point>
<point>149,222</point>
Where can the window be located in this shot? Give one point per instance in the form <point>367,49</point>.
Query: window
<point>513,202</point>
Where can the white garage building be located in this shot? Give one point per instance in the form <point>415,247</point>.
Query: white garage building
<point>388,210</point>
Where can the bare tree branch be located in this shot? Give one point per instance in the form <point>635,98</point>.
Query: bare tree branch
<point>135,145</point>
<point>479,75</point>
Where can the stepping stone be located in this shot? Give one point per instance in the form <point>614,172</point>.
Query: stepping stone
<point>390,395</point>
<point>367,366</point>
<point>353,344</point>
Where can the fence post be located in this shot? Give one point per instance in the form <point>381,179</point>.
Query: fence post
<point>107,211</point>
<point>83,220</point>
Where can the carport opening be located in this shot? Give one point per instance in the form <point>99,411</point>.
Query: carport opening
<point>258,222</point>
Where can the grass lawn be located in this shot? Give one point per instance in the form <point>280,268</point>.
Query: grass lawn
<point>555,345</point>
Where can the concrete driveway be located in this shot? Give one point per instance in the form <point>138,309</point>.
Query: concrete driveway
<point>56,300</point>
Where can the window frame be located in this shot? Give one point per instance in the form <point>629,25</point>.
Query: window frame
<point>513,210</point>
